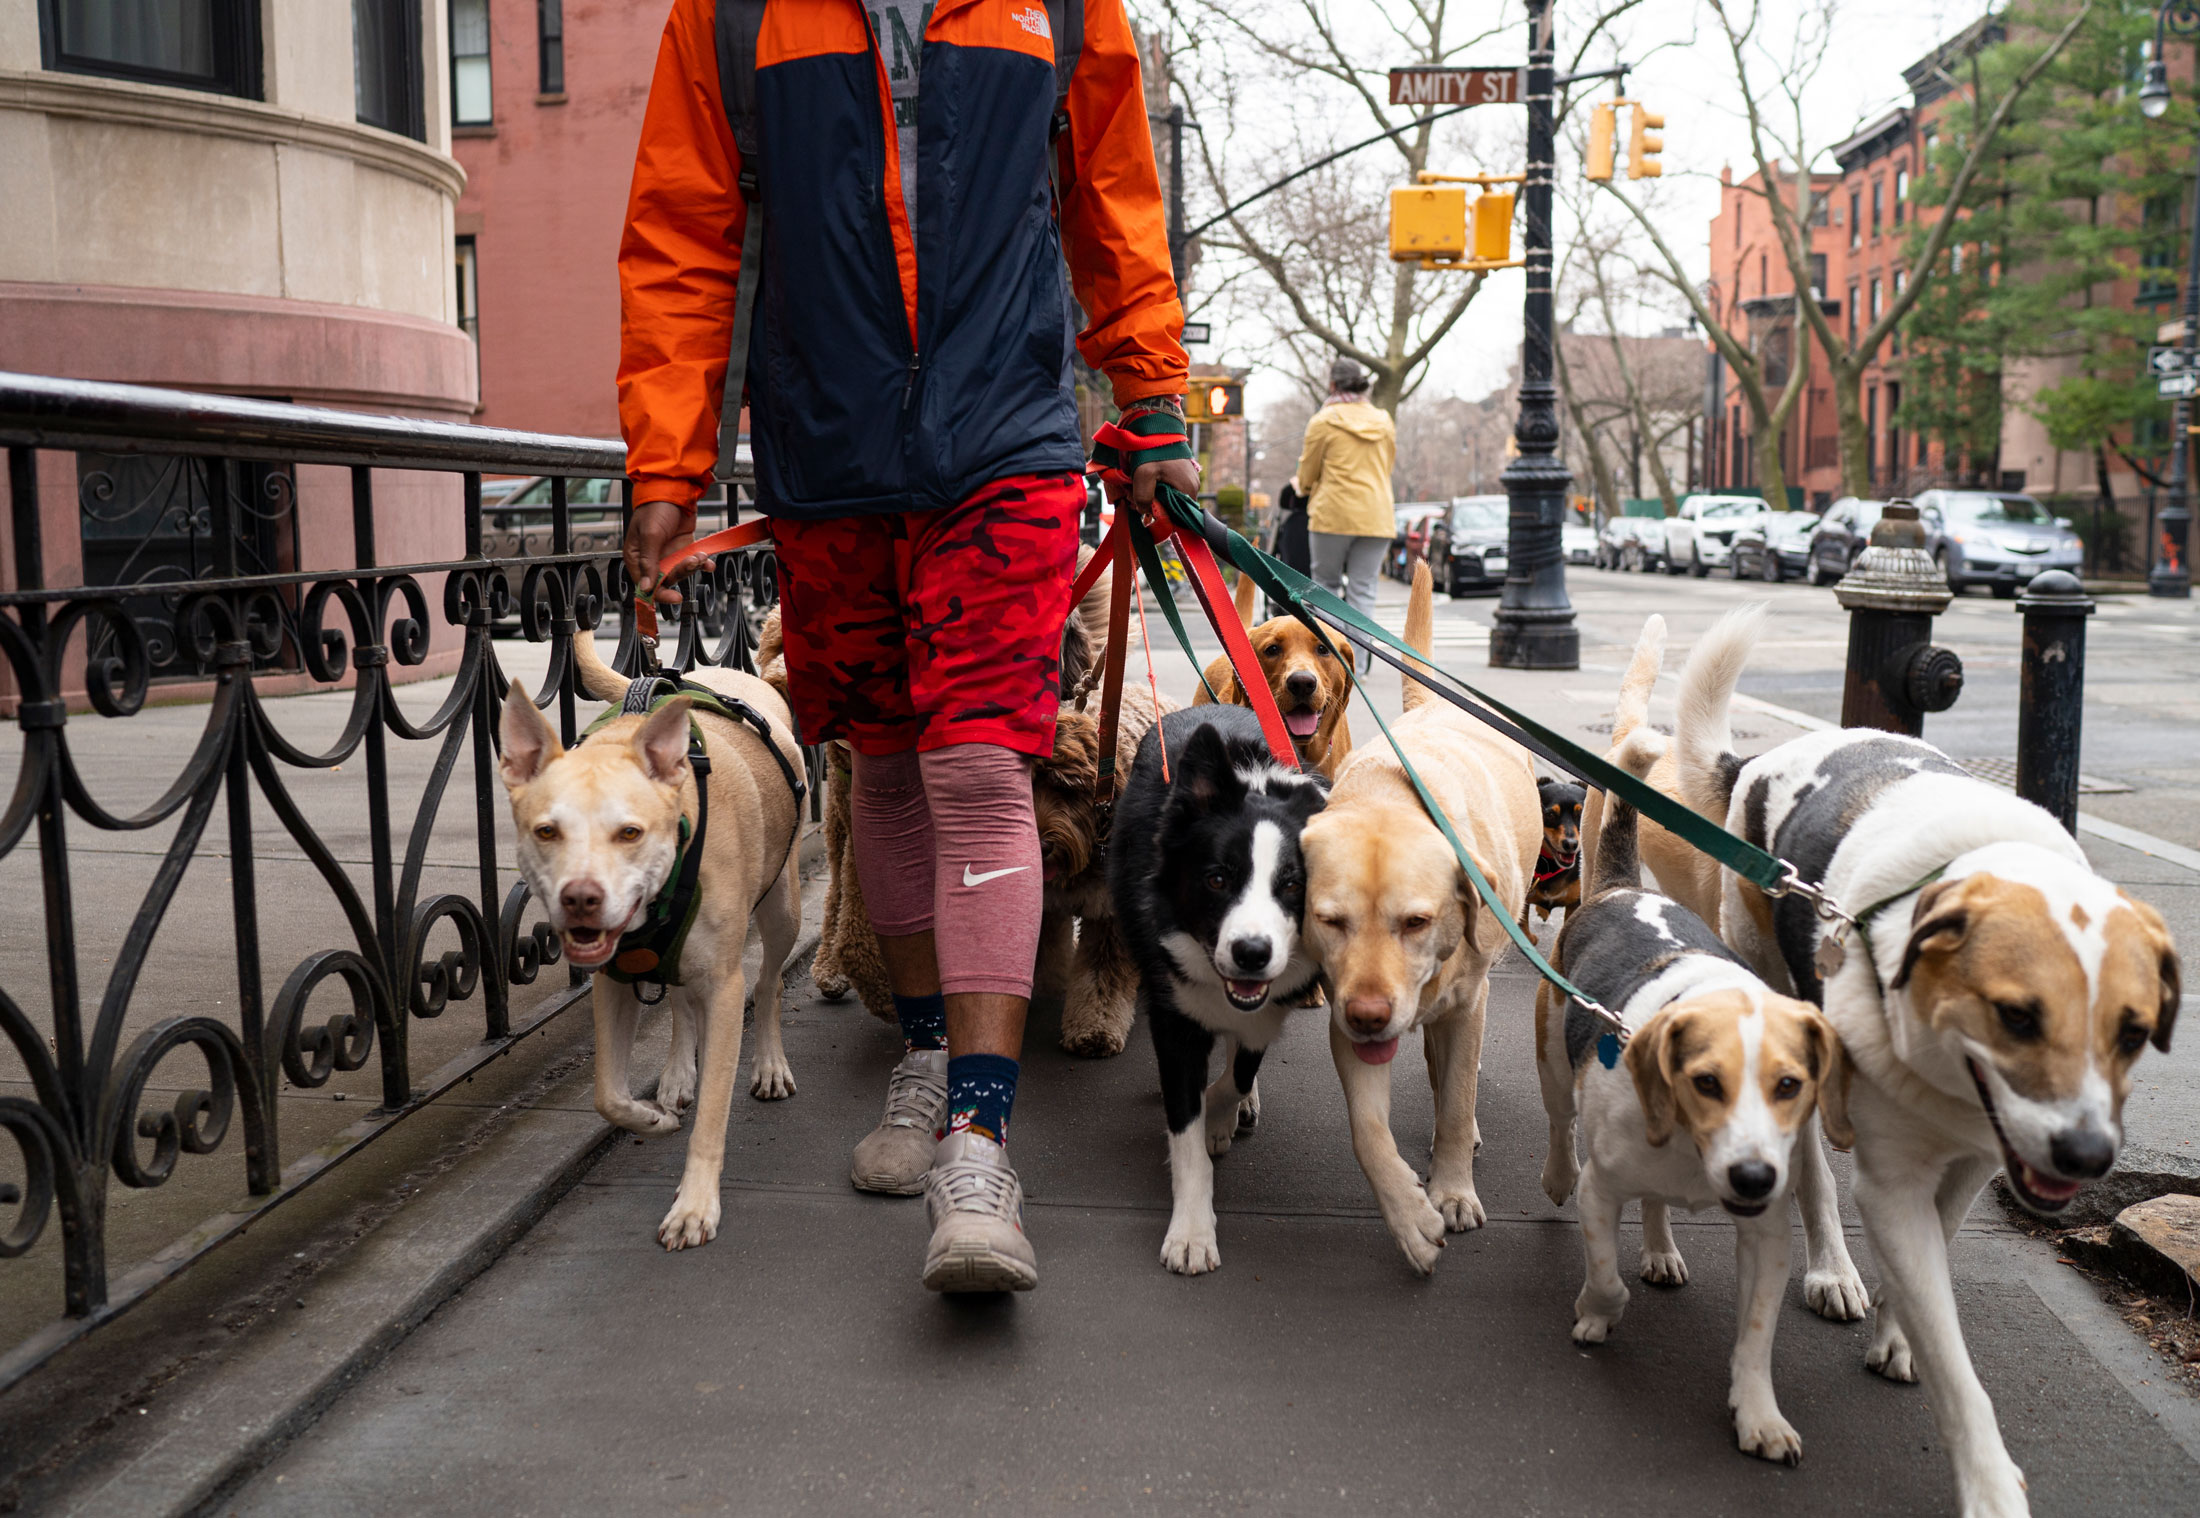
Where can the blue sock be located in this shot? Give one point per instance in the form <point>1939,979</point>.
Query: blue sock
<point>923,1020</point>
<point>981,1088</point>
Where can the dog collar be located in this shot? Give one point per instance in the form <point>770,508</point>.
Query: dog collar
<point>1833,949</point>
<point>650,953</point>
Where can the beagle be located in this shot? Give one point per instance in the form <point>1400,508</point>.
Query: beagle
<point>1992,1000</point>
<point>1707,1106</point>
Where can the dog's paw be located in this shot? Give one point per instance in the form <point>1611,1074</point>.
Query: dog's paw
<point>1889,1355</point>
<point>1560,1172</point>
<point>692,1221</point>
<point>1248,1109</point>
<point>1664,1267</point>
<point>676,1089</point>
<point>832,985</point>
<point>1091,1041</point>
<point>1190,1250</point>
<point>1594,1327</point>
<point>1221,1129</point>
<point>1764,1433</point>
<point>1836,1294</point>
<point>774,1081</point>
<point>647,1119</point>
<point>1461,1208</point>
<point>1420,1233</point>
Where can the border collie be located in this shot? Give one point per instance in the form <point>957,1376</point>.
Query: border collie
<point>1204,866</point>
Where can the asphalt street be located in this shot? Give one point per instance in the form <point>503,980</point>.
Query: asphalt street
<point>796,1366</point>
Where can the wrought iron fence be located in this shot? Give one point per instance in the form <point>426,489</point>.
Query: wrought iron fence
<point>200,491</point>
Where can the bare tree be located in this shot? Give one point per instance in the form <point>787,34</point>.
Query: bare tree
<point>1791,222</point>
<point>1321,245</point>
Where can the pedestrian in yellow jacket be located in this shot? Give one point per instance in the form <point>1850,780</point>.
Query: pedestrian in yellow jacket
<point>1344,471</point>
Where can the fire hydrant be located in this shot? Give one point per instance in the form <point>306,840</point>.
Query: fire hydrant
<point>1896,673</point>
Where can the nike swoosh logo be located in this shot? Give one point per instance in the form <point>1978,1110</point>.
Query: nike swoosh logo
<point>979,880</point>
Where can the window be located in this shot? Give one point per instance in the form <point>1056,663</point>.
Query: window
<point>1879,199</point>
<point>1955,259</point>
<point>469,304</point>
<point>2158,251</point>
<point>1871,423</point>
<point>1901,190</point>
<point>1921,460</point>
<point>550,32</point>
<point>1899,275</point>
<point>1856,220</point>
<point>470,105</point>
<point>1877,306</point>
<point>1737,223</point>
<point>1818,275</point>
<point>1852,316</point>
<point>211,45</point>
<point>1764,286</point>
<point>385,63</point>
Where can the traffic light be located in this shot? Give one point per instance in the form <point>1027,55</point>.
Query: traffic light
<point>1493,228</point>
<point>1603,127</point>
<point>1644,144</point>
<point>1212,400</point>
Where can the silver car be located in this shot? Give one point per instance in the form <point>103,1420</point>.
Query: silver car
<point>1996,538</point>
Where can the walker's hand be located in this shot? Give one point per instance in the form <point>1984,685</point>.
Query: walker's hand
<point>1148,478</point>
<point>657,529</point>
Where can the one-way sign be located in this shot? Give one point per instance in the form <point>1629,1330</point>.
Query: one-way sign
<point>2178,386</point>
<point>2169,360</point>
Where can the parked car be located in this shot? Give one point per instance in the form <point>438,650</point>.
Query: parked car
<point>1699,539</point>
<point>1634,543</point>
<point>1579,540</point>
<point>1841,534</point>
<point>1466,545</point>
<point>1995,538</point>
<point>1398,563</point>
<point>1417,536</point>
<point>1773,547</point>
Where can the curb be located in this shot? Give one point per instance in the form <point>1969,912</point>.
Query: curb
<point>225,1418</point>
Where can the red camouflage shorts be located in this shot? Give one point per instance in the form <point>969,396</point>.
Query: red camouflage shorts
<point>921,629</point>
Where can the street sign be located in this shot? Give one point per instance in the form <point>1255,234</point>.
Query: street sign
<point>2169,360</point>
<point>2178,386</point>
<point>1195,333</point>
<point>1438,86</point>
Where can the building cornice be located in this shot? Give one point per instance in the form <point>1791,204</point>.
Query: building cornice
<point>84,97</point>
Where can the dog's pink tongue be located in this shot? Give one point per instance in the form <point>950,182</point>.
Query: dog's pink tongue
<point>1302,724</point>
<point>1377,1054</point>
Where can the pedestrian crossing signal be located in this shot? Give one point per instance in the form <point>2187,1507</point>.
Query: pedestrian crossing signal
<point>1214,400</point>
<point>1603,127</point>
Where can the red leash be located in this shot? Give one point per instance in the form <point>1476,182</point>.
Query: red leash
<point>747,535</point>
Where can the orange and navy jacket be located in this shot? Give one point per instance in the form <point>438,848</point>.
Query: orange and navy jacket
<point>891,367</point>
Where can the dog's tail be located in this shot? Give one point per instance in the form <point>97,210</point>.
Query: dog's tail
<point>1246,591</point>
<point>599,681</point>
<point>1706,761</point>
<point>1633,713</point>
<point>1420,632</point>
<point>771,653</point>
<point>1618,861</point>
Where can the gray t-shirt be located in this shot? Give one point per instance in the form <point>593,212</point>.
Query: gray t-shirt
<point>899,27</point>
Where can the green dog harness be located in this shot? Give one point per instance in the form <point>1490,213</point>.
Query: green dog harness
<point>649,953</point>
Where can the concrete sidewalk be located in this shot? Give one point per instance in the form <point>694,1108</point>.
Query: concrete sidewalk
<point>795,1366</point>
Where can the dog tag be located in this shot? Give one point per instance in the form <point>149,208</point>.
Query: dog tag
<point>1831,955</point>
<point>1608,1050</point>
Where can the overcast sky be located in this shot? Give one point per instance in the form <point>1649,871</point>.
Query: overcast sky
<point>1684,71</point>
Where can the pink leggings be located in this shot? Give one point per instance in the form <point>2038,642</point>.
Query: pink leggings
<point>946,840</point>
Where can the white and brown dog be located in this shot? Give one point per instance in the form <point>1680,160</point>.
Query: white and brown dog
<point>1992,1002</point>
<point>1404,942</point>
<point>1310,676</point>
<point>599,838</point>
<point>1707,1107</point>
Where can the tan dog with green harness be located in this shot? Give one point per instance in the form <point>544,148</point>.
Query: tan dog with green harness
<point>651,844</point>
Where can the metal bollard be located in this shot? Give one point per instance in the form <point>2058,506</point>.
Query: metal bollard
<point>2051,705</point>
<point>1896,674</point>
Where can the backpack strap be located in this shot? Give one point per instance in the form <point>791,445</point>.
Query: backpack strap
<point>738,23</point>
<point>1066,19</point>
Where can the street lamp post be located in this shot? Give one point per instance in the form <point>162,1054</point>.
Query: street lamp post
<point>1534,620</point>
<point>2171,574</point>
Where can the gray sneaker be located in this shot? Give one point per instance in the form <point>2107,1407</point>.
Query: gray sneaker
<point>977,1209</point>
<point>894,1157</point>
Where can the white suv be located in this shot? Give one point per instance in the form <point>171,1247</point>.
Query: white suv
<point>1701,538</point>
